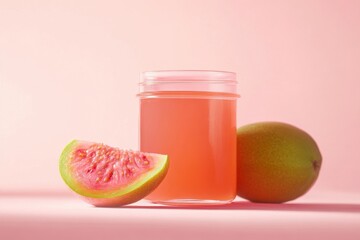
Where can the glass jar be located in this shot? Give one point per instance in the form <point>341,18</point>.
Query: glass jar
<point>191,117</point>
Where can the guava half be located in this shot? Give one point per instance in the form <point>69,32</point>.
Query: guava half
<point>108,177</point>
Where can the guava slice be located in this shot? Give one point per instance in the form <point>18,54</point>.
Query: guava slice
<point>107,176</point>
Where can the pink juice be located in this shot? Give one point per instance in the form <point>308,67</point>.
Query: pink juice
<point>197,130</point>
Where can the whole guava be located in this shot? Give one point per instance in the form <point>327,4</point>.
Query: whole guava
<point>276,162</point>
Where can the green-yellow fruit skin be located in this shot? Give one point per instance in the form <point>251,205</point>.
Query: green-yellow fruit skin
<point>276,162</point>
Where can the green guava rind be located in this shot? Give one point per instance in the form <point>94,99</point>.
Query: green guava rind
<point>132,192</point>
<point>276,162</point>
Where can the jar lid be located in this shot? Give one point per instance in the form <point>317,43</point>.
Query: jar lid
<point>188,80</point>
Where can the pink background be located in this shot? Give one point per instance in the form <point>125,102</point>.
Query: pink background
<point>69,69</point>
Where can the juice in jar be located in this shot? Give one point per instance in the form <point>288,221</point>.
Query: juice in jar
<point>197,130</point>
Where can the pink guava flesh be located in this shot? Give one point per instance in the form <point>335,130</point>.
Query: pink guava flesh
<point>108,176</point>
<point>100,167</point>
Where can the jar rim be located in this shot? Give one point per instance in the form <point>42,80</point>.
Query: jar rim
<point>187,75</point>
<point>188,80</point>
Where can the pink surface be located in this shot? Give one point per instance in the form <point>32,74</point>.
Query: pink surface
<point>42,216</point>
<point>69,69</point>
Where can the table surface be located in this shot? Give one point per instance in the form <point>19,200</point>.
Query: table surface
<point>329,215</point>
